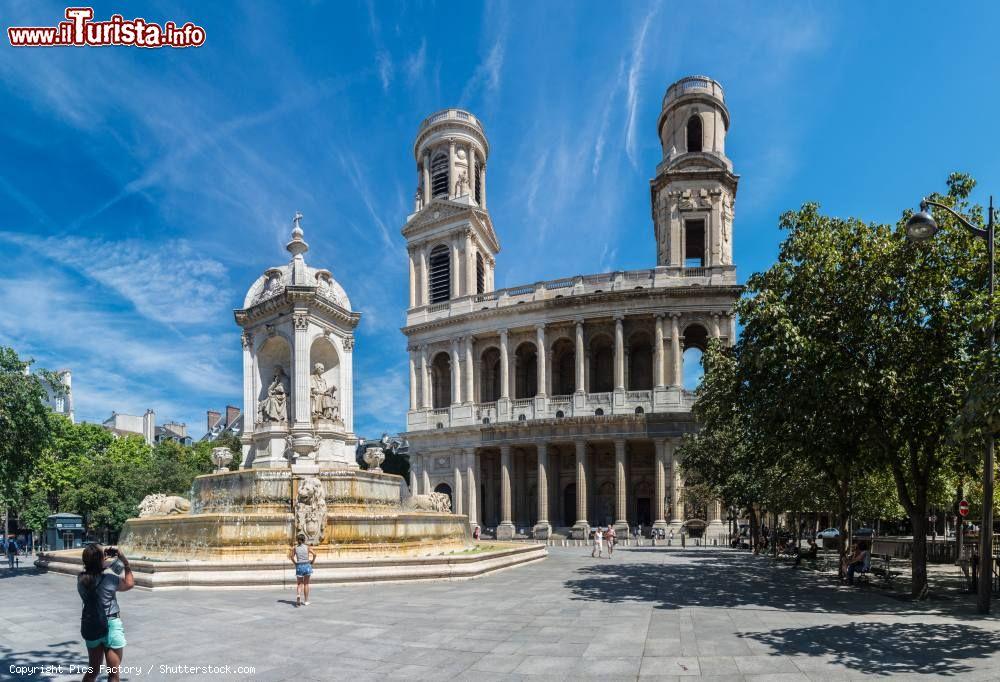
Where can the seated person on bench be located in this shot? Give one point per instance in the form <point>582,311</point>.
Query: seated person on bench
<point>858,562</point>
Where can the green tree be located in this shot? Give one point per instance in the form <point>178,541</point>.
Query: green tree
<point>25,428</point>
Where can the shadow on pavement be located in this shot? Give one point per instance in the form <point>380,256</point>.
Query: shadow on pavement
<point>723,578</point>
<point>888,648</point>
<point>27,665</point>
<point>18,572</point>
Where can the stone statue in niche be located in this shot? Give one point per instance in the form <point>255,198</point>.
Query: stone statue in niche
<point>310,509</point>
<point>274,407</point>
<point>325,404</point>
<point>462,184</point>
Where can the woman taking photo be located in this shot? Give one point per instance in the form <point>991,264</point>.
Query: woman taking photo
<point>303,556</point>
<point>106,572</point>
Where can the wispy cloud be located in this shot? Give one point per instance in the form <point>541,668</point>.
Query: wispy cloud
<point>602,131</point>
<point>167,282</point>
<point>383,397</point>
<point>634,76</point>
<point>415,64</point>
<point>382,59</point>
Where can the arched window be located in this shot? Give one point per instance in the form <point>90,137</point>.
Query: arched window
<point>563,367</point>
<point>480,274</point>
<point>640,363</point>
<point>440,274</point>
<point>602,365</point>
<point>441,381</point>
<point>695,343</point>
<point>489,376</point>
<point>439,176</point>
<point>525,371</point>
<point>476,184</point>
<point>694,134</point>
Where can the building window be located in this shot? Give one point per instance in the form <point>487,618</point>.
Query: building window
<point>694,134</point>
<point>563,367</point>
<point>441,381</point>
<point>640,363</point>
<point>525,371</point>
<point>480,274</point>
<point>694,243</point>
<point>440,274</point>
<point>477,185</point>
<point>439,176</point>
<point>602,365</point>
<point>489,376</point>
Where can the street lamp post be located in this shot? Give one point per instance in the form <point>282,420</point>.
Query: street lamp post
<point>922,226</point>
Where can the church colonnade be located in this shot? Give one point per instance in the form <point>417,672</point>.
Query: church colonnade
<point>577,483</point>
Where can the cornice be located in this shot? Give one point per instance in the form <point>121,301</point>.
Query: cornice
<point>447,210</point>
<point>288,300</point>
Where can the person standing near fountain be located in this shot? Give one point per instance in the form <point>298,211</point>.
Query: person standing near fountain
<point>105,573</point>
<point>303,556</point>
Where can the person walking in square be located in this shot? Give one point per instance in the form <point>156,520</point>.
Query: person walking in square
<point>598,542</point>
<point>303,556</point>
<point>611,536</point>
<point>11,552</point>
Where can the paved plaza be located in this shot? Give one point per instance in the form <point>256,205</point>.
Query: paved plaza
<point>665,613</point>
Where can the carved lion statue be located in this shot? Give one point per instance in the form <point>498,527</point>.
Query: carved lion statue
<point>310,509</point>
<point>163,505</point>
<point>438,502</point>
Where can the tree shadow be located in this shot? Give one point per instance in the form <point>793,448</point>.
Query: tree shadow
<point>27,665</point>
<point>888,648</point>
<point>727,579</point>
<point>28,571</point>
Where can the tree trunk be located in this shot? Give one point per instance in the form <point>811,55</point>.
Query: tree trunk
<point>918,559</point>
<point>754,530</point>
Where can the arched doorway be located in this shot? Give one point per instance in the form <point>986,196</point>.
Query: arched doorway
<point>604,504</point>
<point>525,371</point>
<point>489,375</point>
<point>441,380</point>
<point>602,365</point>
<point>640,363</point>
<point>563,367</point>
<point>445,489</point>
<point>569,505</point>
<point>644,504</point>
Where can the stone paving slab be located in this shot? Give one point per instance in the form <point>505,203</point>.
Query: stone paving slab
<point>646,614</point>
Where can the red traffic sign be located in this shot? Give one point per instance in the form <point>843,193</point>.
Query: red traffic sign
<point>963,508</point>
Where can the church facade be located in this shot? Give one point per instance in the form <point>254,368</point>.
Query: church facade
<point>559,405</point>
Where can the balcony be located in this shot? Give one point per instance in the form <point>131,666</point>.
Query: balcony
<point>451,115</point>
<point>505,410</point>
<point>570,287</point>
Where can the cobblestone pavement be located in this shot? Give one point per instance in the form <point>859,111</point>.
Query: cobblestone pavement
<point>648,612</point>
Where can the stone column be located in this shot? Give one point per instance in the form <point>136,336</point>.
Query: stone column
<point>470,395</point>
<point>716,529</point>
<point>619,354</point>
<point>423,279</point>
<point>715,326</point>
<point>659,375</point>
<point>456,374</point>
<point>300,375</point>
<point>540,359</point>
<point>675,351</point>
<point>504,366</point>
<point>425,463</point>
<point>505,531</point>
<point>472,491</point>
<point>580,376</point>
<point>413,379</point>
<point>427,178</point>
<point>413,279</point>
<point>659,510</point>
<point>621,520</point>
<point>470,156</point>
<point>451,168</point>
<point>482,185</point>
<point>676,503</point>
<point>425,380</point>
<point>542,528</point>
<point>732,329</point>
<point>470,265</point>
<point>414,485</point>
<point>489,504</point>
<point>456,490</point>
<point>581,529</point>
<point>251,389</point>
<point>456,270</point>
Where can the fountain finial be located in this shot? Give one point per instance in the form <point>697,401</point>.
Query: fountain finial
<point>297,246</point>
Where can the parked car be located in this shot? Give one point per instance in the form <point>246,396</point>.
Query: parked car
<point>828,534</point>
<point>864,532</point>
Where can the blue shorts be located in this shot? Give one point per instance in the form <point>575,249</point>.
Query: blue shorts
<point>114,639</point>
<point>302,570</point>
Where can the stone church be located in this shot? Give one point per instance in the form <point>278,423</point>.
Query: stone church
<point>555,406</point>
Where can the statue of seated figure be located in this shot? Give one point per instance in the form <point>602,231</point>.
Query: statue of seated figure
<point>274,407</point>
<point>325,404</point>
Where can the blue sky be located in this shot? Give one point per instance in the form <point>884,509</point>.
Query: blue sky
<point>142,191</point>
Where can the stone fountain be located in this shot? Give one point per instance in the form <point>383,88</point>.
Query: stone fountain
<point>298,471</point>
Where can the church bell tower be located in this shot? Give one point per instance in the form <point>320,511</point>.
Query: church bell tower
<point>449,236</point>
<point>694,191</point>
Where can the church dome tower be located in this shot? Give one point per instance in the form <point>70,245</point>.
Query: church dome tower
<point>449,235</point>
<point>694,191</point>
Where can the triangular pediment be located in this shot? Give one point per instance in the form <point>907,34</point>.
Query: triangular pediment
<point>442,211</point>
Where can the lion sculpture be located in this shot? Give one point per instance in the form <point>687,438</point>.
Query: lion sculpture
<point>437,502</point>
<point>310,509</point>
<point>163,505</point>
